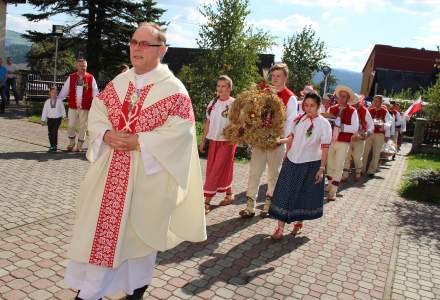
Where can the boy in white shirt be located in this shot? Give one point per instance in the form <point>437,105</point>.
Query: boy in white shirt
<point>53,112</point>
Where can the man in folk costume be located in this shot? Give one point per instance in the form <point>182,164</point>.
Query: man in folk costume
<point>357,145</point>
<point>143,191</point>
<point>273,157</point>
<point>382,125</point>
<point>346,124</point>
<point>80,88</point>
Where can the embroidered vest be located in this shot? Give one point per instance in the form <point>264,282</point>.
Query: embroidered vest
<point>87,95</point>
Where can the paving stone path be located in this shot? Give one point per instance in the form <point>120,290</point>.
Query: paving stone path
<point>370,244</point>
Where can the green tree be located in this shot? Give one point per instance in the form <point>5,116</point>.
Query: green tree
<point>432,111</point>
<point>231,47</point>
<point>41,61</point>
<point>332,81</point>
<point>101,28</point>
<point>304,53</point>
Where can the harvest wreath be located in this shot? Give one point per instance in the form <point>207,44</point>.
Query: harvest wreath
<point>257,118</point>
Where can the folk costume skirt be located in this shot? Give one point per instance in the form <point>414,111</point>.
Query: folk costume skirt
<point>297,197</point>
<point>219,168</point>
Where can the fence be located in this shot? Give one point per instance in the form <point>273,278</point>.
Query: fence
<point>37,86</point>
<point>432,134</point>
<point>426,136</point>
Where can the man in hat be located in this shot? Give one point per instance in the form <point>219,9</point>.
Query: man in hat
<point>143,191</point>
<point>273,157</point>
<point>382,124</point>
<point>345,125</point>
<point>80,88</point>
<point>357,145</point>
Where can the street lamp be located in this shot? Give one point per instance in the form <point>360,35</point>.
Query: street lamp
<point>326,70</point>
<point>57,31</point>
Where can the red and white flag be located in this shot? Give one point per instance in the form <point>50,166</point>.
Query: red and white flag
<point>414,108</point>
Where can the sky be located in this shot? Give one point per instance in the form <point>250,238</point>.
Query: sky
<point>349,28</point>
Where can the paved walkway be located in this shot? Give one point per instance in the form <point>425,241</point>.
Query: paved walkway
<point>370,244</point>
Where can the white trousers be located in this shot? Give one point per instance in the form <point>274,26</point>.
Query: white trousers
<point>373,143</point>
<point>356,151</point>
<point>335,164</point>
<point>273,158</point>
<point>77,123</point>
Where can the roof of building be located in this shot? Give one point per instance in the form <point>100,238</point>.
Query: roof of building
<point>403,59</point>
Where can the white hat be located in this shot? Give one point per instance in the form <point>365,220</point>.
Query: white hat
<point>343,88</point>
<point>386,101</point>
<point>356,99</point>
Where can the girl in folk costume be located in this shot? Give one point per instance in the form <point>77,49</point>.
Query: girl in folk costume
<point>299,192</point>
<point>357,145</point>
<point>346,124</point>
<point>220,165</point>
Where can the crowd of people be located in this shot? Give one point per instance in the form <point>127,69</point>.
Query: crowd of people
<point>326,135</point>
<point>144,192</point>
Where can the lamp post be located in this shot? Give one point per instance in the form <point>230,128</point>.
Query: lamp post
<point>57,31</point>
<point>326,70</point>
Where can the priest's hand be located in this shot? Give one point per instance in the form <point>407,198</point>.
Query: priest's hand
<point>116,140</point>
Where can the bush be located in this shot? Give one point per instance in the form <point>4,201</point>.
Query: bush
<point>422,184</point>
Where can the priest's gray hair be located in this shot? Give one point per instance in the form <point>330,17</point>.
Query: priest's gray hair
<point>161,30</point>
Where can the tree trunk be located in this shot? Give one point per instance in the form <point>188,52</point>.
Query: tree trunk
<point>94,31</point>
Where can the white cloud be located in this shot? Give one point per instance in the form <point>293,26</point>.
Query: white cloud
<point>178,36</point>
<point>346,58</point>
<point>430,38</point>
<point>290,24</point>
<point>355,5</point>
<point>21,24</point>
<point>331,20</point>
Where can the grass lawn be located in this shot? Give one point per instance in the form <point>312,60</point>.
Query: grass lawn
<point>421,193</point>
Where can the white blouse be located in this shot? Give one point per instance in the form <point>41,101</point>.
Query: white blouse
<point>218,118</point>
<point>53,112</point>
<point>309,137</point>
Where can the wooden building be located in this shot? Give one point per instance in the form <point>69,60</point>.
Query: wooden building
<point>393,69</point>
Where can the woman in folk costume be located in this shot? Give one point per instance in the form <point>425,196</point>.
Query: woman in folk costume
<point>346,124</point>
<point>299,192</point>
<point>220,165</point>
<point>144,183</point>
<point>357,144</point>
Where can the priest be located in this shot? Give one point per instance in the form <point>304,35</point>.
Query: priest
<point>144,182</point>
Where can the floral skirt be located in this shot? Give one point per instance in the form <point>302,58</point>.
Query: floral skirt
<point>297,197</point>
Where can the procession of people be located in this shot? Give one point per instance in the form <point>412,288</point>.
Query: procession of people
<point>144,193</point>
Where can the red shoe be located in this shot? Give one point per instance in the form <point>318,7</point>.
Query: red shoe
<point>278,234</point>
<point>297,228</point>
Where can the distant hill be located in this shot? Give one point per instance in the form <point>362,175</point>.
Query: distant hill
<point>17,47</point>
<point>346,77</point>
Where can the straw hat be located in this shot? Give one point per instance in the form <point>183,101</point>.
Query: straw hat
<point>343,88</point>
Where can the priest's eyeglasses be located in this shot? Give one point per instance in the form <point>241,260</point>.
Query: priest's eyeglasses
<point>143,44</point>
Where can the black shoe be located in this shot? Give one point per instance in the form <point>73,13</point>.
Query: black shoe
<point>78,298</point>
<point>137,293</point>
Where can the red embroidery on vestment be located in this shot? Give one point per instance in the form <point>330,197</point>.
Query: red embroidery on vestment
<point>115,189</point>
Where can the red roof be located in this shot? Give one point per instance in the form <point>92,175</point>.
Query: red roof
<point>404,59</point>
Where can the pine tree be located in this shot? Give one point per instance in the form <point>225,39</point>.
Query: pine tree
<point>100,31</point>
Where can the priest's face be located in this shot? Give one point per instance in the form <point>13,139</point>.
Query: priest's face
<point>145,50</point>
